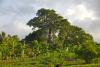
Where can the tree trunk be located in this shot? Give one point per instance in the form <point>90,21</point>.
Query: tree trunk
<point>87,61</point>
<point>49,37</point>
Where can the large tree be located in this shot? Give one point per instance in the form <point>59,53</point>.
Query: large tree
<point>47,19</point>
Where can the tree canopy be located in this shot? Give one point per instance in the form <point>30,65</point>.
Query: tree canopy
<point>49,23</point>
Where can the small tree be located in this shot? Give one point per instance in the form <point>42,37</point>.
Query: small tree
<point>87,50</point>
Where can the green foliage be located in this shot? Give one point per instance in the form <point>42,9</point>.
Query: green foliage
<point>98,49</point>
<point>86,53</point>
<point>47,19</point>
<point>72,37</point>
<point>11,47</point>
<point>39,35</point>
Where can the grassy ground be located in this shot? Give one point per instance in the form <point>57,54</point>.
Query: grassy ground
<point>31,63</point>
<point>86,65</point>
<point>41,65</point>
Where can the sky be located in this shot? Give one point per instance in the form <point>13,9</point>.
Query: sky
<point>15,14</point>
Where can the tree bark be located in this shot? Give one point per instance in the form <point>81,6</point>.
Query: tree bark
<point>49,37</point>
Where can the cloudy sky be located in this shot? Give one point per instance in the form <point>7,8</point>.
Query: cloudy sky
<point>14,14</point>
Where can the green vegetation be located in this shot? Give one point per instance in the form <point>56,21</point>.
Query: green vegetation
<point>55,41</point>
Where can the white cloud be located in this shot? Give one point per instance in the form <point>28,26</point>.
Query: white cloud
<point>81,12</point>
<point>17,27</point>
<point>96,35</point>
<point>21,28</point>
